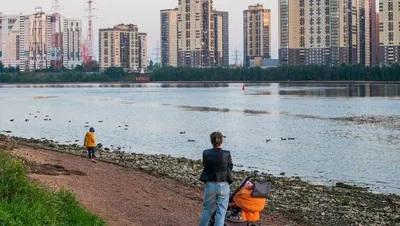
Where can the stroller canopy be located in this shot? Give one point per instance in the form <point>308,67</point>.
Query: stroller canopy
<point>251,206</point>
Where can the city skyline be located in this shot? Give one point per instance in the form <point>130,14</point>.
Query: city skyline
<point>147,17</point>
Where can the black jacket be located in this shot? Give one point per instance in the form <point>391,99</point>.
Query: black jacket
<point>217,166</point>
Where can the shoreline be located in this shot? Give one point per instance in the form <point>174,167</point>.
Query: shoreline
<point>303,202</point>
<point>184,84</point>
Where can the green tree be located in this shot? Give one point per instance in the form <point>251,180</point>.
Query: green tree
<point>151,65</point>
<point>115,72</point>
<point>1,67</point>
<point>78,68</point>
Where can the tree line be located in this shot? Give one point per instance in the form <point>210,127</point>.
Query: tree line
<point>283,73</point>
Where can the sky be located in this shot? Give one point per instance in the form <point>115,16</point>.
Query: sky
<point>146,14</point>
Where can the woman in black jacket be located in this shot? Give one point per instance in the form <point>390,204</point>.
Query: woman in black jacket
<point>217,174</point>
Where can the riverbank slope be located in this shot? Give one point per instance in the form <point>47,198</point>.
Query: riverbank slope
<point>25,203</point>
<point>166,185</point>
<point>120,195</point>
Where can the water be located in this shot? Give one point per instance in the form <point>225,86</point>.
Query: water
<point>333,140</point>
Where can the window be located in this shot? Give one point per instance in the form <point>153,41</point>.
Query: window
<point>391,37</point>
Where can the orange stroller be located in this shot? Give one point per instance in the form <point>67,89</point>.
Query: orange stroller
<point>246,202</point>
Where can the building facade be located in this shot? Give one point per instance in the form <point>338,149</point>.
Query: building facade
<point>54,39</point>
<point>374,31</point>
<point>326,32</point>
<point>196,33</point>
<point>72,43</point>
<point>221,38</point>
<point>36,42</point>
<point>10,40</point>
<point>389,31</point>
<point>142,50</point>
<point>257,33</point>
<point>169,37</point>
<point>377,42</point>
<point>122,46</point>
<point>35,47</point>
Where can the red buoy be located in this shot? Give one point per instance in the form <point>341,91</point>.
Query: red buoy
<point>243,87</point>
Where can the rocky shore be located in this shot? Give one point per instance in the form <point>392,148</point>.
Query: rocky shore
<point>299,201</point>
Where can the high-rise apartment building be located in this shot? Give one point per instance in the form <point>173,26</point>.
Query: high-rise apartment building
<point>221,38</point>
<point>257,33</point>
<point>389,31</point>
<point>35,42</point>
<point>72,43</point>
<point>23,41</point>
<point>10,40</point>
<point>120,47</point>
<point>377,42</point>
<point>325,32</point>
<point>30,43</point>
<point>142,50</point>
<point>374,31</point>
<point>54,39</point>
<point>196,33</point>
<point>169,37</point>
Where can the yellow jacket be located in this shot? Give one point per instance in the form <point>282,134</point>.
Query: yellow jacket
<point>89,140</point>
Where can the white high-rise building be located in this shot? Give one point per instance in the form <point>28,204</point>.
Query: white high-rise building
<point>72,43</point>
<point>31,43</point>
<point>10,40</point>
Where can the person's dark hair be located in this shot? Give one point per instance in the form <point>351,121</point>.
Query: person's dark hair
<point>216,139</point>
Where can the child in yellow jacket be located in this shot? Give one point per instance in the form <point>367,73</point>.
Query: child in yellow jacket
<point>89,144</point>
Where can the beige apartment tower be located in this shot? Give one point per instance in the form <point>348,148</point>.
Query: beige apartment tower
<point>169,37</point>
<point>122,46</point>
<point>326,32</point>
<point>389,31</point>
<point>142,50</point>
<point>196,33</point>
<point>257,33</point>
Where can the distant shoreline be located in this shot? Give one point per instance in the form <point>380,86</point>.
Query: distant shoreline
<point>181,84</point>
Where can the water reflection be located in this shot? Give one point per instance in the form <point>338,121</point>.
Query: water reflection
<point>341,90</point>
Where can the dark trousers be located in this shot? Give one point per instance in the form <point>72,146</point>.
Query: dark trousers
<point>91,152</point>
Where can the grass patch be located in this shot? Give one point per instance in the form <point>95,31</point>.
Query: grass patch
<point>25,203</point>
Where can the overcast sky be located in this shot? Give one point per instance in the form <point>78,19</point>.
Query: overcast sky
<point>146,14</point>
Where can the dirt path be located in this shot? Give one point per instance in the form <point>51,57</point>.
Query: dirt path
<point>121,196</point>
